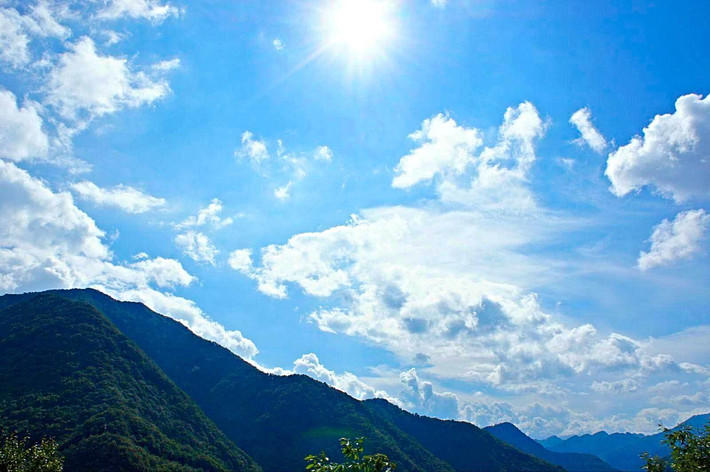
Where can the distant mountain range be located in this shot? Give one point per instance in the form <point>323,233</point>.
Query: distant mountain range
<point>570,461</point>
<point>121,387</point>
<point>620,450</point>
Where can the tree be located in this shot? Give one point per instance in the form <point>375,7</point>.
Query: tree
<point>690,451</point>
<point>354,460</point>
<point>16,455</point>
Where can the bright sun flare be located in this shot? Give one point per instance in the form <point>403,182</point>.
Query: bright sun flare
<point>360,25</point>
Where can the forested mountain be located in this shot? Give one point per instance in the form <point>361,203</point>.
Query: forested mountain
<point>621,450</point>
<point>68,373</point>
<point>570,461</point>
<point>461,444</point>
<point>278,420</point>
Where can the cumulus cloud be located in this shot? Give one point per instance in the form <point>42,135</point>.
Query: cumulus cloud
<point>284,192</point>
<point>254,150</point>
<point>85,84</point>
<point>21,134</point>
<point>582,120</point>
<point>197,246</point>
<point>419,396</point>
<point>495,177</point>
<point>16,32</point>
<point>47,242</point>
<point>278,44</point>
<point>150,10</point>
<point>240,260</point>
<point>210,215</point>
<point>123,197</point>
<point>309,364</point>
<point>671,156</point>
<point>404,281</point>
<point>323,153</point>
<point>676,240</point>
<point>445,148</point>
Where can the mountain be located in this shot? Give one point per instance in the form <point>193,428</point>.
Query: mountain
<point>620,450</point>
<point>570,461</point>
<point>461,444</point>
<point>68,373</point>
<point>278,420</point>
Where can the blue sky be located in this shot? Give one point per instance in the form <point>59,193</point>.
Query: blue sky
<point>480,210</point>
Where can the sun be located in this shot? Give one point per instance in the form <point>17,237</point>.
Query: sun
<point>361,26</point>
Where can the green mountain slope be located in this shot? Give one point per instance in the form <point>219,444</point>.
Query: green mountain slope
<point>279,420</point>
<point>463,445</point>
<point>570,461</point>
<point>68,373</point>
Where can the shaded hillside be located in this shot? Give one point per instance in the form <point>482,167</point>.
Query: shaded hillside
<point>621,450</point>
<point>463,445</point>
<point>276,420</point>
<point>279,420</point>
<point>68,373</point>
<point>570,461</point>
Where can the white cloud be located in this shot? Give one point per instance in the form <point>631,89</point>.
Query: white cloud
<point>445,148</point>
<point>14,41</point>
<point>21,134</point>
<point>253,149</point>
<point>618,386</point>
<point>493,178</point>
<point>419,396</point>
<point>151,10</point>
<point>85,84</point>
<point>309,364</point>
<point>189,314</point>
<point>123,197</point>
<point>402,279</point>
<point>582,120</point>
<point>675,240</point>
<point>197,246</point>
<point>278,44</point>
<point>167,65</point>
<point>672,155</point>
<point>210,215</point>
<point>240,260</point>
<point>439,3</point>
<point>323,153</point>
<point>16,31</point>
<point>283,193</point>
<point>47,242</point>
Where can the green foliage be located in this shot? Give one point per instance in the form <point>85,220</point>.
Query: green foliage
<point>17,455</point>
<point>690,451</point>
<point>355,461</point>
<point>67,372</point>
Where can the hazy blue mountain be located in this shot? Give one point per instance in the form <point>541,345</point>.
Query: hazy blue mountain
<point>620,450</point>
<point>570,461</point>
<point>68,373</point>
<point>463,445</point>
<point>278,420</point>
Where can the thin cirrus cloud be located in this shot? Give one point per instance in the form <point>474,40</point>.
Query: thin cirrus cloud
<point>151,10</point>
<point>123,197</point>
